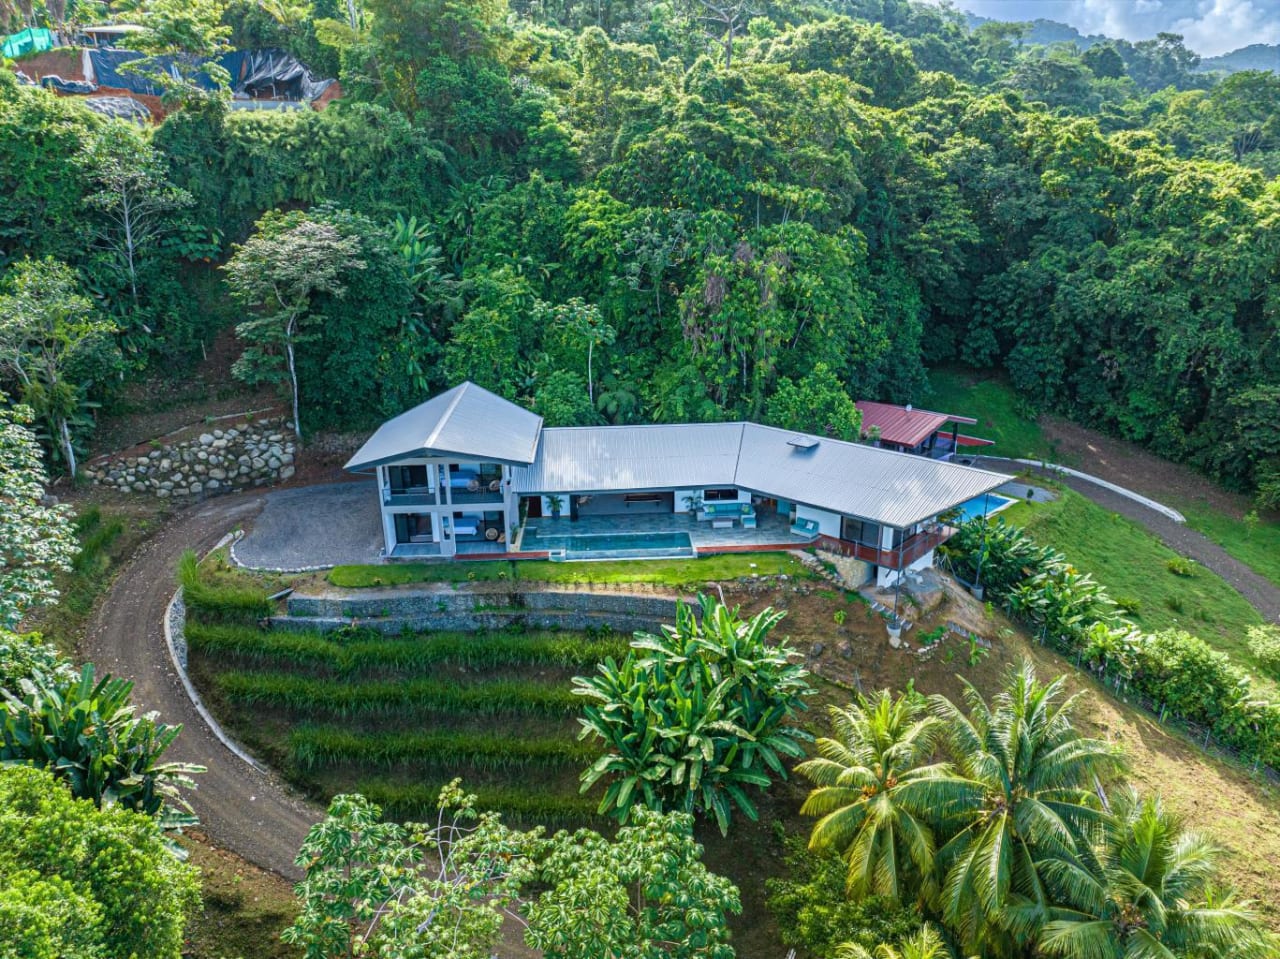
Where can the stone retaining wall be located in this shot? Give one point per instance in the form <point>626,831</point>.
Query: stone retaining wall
<point>214,460</point>
<point>448,609</point>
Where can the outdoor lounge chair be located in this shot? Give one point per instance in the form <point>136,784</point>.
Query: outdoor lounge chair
<point>805,527</point>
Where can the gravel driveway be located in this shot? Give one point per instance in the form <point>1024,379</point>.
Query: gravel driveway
<point>315,526</point>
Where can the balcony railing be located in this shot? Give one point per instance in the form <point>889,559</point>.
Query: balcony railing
<point>897,558</point>
<point>413,496</point>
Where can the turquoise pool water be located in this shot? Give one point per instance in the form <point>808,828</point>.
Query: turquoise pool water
<point>992,503</point>
<point>611,545</point>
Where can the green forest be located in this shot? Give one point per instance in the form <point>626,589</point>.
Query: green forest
<point>628,212</point>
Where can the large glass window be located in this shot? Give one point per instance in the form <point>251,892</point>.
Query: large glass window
<point>860,531</point>
<point>413,527</point>
<point>720,496</point>
<point>409,479</point>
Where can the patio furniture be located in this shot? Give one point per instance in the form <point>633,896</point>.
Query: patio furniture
<point>495,486</point>
<point>491,534</point>
<point>805,527</point>
<point>734,510</point>
<point>722,524</point>
<point>466,526</point>
<point>749,522</point>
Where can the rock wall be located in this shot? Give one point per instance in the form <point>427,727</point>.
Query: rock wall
<point>213,460</point>
<point>443,608</point>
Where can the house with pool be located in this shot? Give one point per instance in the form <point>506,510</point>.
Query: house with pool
<point>469,474</point>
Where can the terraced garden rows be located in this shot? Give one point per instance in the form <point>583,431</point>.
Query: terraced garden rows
<point>395,718</point>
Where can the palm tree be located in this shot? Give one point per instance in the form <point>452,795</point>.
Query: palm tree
<point>926,944</point>
<point>1148,895</point>
<point>877,797</point>
<point>1034,774</point>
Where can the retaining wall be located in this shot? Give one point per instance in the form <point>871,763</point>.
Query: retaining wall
<point>392,612</point>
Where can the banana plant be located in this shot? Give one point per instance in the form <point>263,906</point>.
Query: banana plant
<point>695,715</point>
<point>84,730</point>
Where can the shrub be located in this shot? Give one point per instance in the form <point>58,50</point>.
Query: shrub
<point>695,715</point>
<point>814,913</point>
<point>319,747</point>
<point>350,652</point>
<point>206,598</point>
<point>397,698</point>
<point>418,801</point>
<point>1264,643</point>
<point>1130,605</point>
<point>1181,566</point>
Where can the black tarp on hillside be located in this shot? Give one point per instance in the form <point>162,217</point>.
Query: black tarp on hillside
<point>124,108</point>
<point>271,74</point>
<point>55,82</point>
<point>254,74</point>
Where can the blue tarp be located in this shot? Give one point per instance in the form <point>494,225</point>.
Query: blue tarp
<point>26,41</point>
<point>107,72</point>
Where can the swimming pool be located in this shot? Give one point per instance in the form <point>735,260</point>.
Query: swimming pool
<point>992,503</point>
<point>586,546</point>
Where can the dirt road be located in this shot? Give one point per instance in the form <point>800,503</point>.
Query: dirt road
<point>249,812</point>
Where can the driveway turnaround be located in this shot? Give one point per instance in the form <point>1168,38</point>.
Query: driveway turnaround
<point>314,527</point>
<point>247,811</point>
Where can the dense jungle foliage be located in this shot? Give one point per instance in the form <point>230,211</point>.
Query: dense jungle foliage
<point>717,202</point>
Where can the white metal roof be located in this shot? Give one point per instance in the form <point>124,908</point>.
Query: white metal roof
<point>467,421</point>
<point>896,489</point>
<point>617,458</point>
<point>884,486</point>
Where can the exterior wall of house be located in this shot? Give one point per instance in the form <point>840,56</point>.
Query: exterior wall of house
<point>440,501</point>
<point>828,523</point>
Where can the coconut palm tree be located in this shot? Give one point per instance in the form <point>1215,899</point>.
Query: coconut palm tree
<point>926,944</point>
<point>877,795</point>
<point>1148,895</point>
<point>1034,800</point>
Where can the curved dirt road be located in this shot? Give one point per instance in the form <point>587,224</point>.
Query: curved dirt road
<point>241,808</point>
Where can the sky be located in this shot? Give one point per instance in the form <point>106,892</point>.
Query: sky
<point>1210,27</point>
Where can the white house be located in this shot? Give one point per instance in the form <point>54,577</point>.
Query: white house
<point>469,472</point>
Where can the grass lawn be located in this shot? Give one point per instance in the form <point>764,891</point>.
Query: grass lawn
<point>1257,547</point>
<point>1131,563</point>
<point>1001,415</point>
<point>681,573</point>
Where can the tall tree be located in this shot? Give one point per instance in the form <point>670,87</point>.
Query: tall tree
<point>1149,893</point>
<point>52,343</point>
<point>877,795</point>
<point>583,320</point>
<point>1031,800</point>
<point>132,194</point>
<point>290,260</point>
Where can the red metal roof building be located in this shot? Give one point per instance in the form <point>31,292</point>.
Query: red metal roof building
<point>916,431</point>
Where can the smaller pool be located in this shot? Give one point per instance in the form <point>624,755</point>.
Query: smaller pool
<point>586,546</point>
<point>990,503</point>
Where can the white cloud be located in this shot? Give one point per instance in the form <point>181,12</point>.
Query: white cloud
<point>1210,27</point>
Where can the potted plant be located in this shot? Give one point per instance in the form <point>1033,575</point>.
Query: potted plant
<point>556,503</point>
<point>693,502</point>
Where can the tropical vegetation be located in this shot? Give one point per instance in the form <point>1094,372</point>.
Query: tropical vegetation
<point>1016,836</point>
<point>695,715</point>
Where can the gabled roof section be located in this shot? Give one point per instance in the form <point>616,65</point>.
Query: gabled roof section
<point>884,486</point>
<point>467,422</point>
<point>902,425</point>
<point>632,458</point>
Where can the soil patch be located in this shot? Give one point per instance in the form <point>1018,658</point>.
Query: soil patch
<point>1132,467</point>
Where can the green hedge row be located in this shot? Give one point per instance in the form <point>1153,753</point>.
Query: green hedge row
<point>1175,671</point>
<point>318,747</point>
<point>418,802</point>
<point>212,601</point>
<point>346,655</point>
<point>418,697</point>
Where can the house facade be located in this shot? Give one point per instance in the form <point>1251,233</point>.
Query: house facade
<point>470,473</point>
